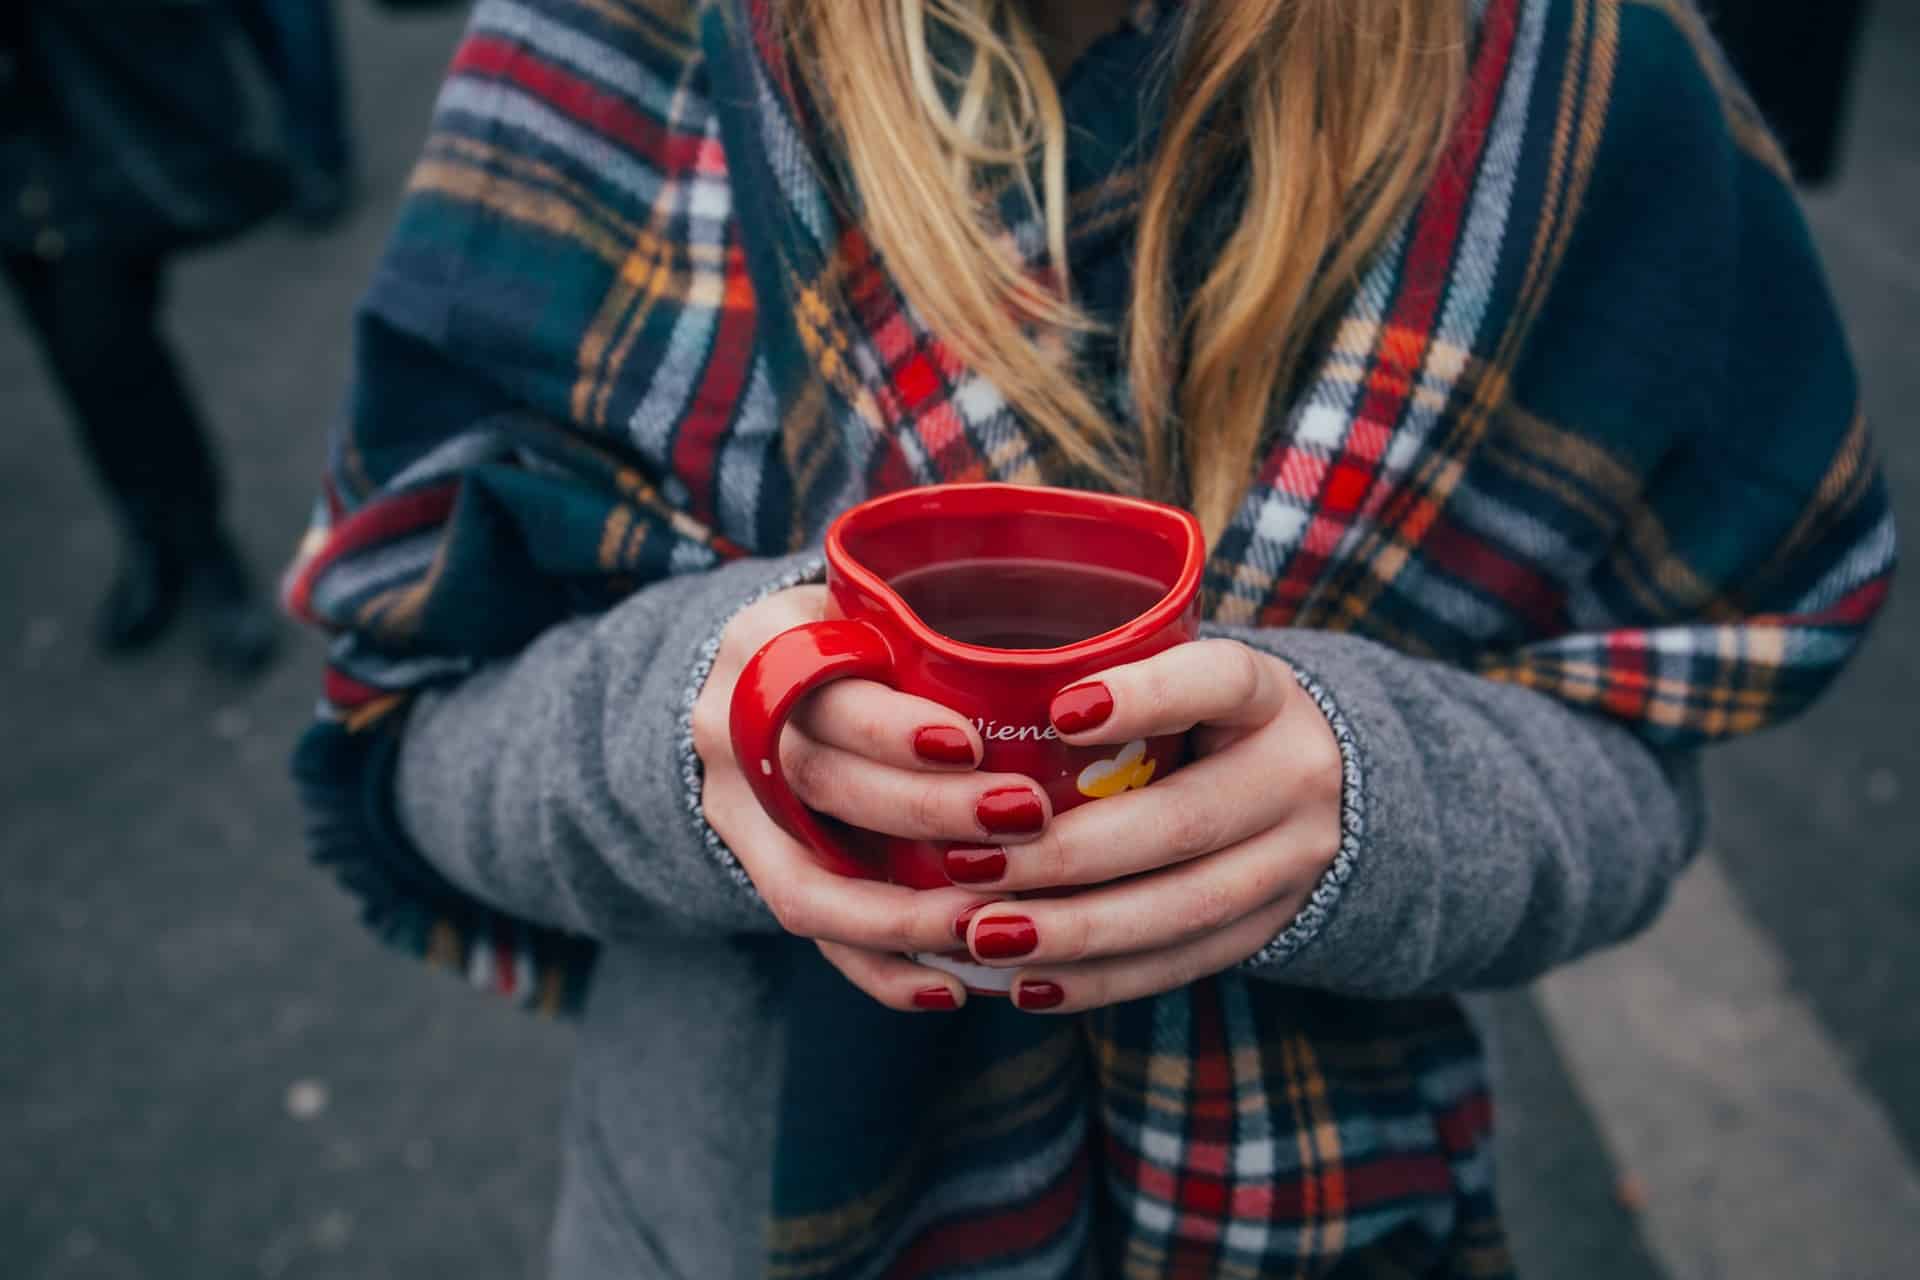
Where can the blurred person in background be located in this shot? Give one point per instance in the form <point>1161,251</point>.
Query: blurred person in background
<point>299,44</point>
<point>1487,342</point>
<point>1797,61</point>
<point>124,141</point>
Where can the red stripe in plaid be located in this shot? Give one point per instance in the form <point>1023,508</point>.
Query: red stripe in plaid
<point>710,412</point>
<point>1200,1192</point>
<point>386,521</point>
<point>1403,340</point>
<point>1465,1125</point>
<point>505,968</point>
<point>1536,598</point>
<point>1629,674</point>
<point>1855,609</point>
<point>599,109</point>
<point>1379,1183</point>
<point>992,1239</point>
<point>345,693</point>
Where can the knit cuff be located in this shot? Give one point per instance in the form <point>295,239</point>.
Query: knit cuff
<point>692,772</point>
<point>1312,917</point>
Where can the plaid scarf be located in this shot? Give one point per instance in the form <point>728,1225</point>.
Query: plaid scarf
<point>1587,425</point>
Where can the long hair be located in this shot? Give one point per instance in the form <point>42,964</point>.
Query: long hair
<point>1340,110</point>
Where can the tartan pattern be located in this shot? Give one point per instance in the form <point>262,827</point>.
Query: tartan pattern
<point>1233,1144</point>
<point>1587,425</point>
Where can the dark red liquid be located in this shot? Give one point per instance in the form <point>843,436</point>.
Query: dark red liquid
<point>1025,604</point>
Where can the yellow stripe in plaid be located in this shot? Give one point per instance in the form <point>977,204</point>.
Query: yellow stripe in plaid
<point>515,201</point>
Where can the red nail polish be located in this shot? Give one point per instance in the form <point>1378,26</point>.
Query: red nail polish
<point>965,918</point>
<point>975,866</point>
<point>1004,938</point>
<point>1083,707</point>
<point>937,998</point>
<point>943,744</point>
<point>1038,995</point>
<point>1011,811</point>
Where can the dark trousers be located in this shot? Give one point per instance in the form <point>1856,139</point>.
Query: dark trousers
<point>97,318</point>
<point>1797,60</point>
<point>298,43</point>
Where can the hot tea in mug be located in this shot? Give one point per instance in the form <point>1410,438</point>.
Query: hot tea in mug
<point>1025,604</point>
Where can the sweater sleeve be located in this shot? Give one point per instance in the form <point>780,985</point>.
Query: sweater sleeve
<point>560,785</point>
<point>1489,832</point>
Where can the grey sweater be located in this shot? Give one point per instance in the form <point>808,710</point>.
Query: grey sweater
<point>1491,833</point>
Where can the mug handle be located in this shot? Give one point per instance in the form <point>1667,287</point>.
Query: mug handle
<point>785,670</point>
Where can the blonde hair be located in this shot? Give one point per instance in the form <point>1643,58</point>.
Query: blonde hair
<point>1341,109</point>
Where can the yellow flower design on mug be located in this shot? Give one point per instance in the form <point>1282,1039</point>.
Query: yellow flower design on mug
<point>1126,771</point>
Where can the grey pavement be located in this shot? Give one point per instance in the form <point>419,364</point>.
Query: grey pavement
<point>209,1071</point>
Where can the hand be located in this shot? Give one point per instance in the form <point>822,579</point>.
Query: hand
<point>1194,873</point>
<point>850,751</point>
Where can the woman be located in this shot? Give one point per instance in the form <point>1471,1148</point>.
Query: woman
<point>1486,341</point>
<point>122,144</point>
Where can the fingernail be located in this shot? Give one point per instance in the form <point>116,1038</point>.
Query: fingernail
<point>975,866</point>
<point>1083,707</point>
<point>943,744</point>
<point>1038,995</point>
<point>965,918</point>
<point>937,998</point>
<point>1004,938</point>
<point>1011,811</point>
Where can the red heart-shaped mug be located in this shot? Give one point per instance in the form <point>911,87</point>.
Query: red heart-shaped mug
<point>989,599</point>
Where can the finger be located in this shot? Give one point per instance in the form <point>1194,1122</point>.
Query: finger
<point>1211,682</point>
<point>1152,913</point>
<point>896,981</point>
<point>812,902</point>
<point>966,807</point>
<point>871,720</point>
<point>1204,807</point>
<point>1094,985</point>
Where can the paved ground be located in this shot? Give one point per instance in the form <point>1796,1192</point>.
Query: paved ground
<point>210,1073</point>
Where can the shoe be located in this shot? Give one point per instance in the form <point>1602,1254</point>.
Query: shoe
<point>143,598</point>
<point>238,630</point>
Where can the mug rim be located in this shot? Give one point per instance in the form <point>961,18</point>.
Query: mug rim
<point>976,498</point>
